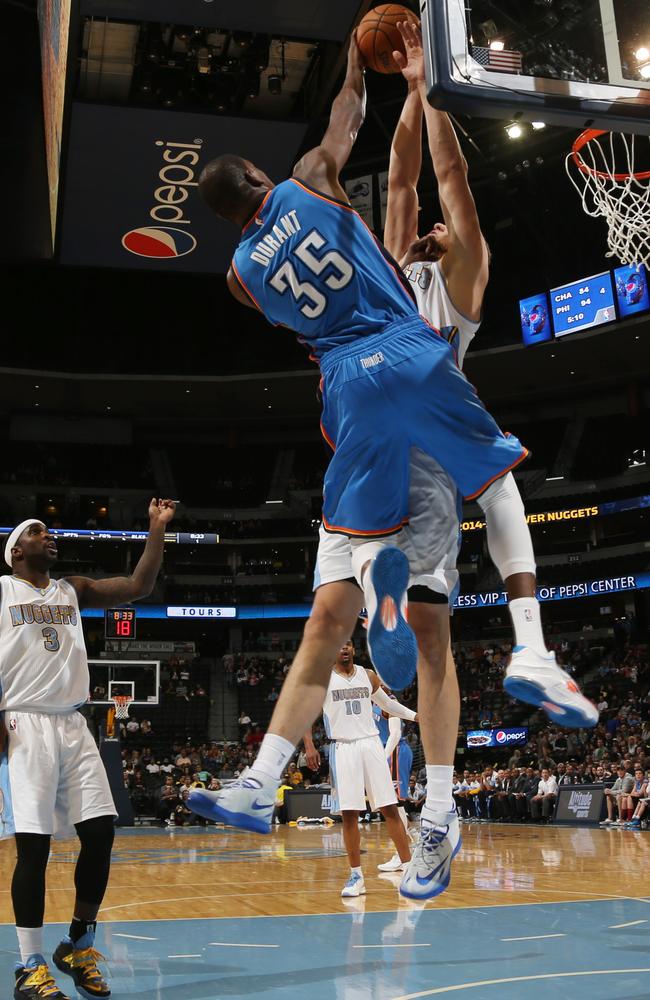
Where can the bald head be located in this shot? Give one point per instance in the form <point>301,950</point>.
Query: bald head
<point>233,187</point>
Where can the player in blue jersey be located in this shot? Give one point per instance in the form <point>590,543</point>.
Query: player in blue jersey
<point>400,759</point>
<point>383,394</point>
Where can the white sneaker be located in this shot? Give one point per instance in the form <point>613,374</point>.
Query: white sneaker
<point>391,641</point>
<point>429,871</point>
<point>355,886</point>
<point>606,822</point>
<point>394,865</point>
<point>247,803</point>
<point>539,681</point>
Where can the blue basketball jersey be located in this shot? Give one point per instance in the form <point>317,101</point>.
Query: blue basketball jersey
<point>382,724</point>
<point>310,263</point>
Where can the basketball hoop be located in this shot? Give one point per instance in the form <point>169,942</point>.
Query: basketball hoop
<point>611,188</point>
<point>122,703</point>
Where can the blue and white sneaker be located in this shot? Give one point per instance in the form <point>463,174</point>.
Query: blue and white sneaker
<point>391,642</point>
<point>429,872</point>
<point>247,803</point>
<point>355,886</point>
<point>539,681</point>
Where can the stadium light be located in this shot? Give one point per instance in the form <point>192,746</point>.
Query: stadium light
<point>538,126</point>
<point>497,45</point>
<point>514,131</point>
<point>642,54</point>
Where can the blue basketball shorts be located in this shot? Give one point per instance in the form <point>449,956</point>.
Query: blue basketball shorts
<point>386,394</point>
<point>401,762</point>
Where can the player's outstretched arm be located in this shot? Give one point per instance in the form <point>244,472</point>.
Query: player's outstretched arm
<point>466,263</point>
<point>401,227</point>
<point>124,589</point>
<point>389,705</point>
<point>322,165</point>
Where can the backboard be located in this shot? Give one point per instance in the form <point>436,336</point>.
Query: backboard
<point>140,679</point>
<point>582,63</point>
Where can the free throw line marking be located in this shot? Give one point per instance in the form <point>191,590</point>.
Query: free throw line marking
<point>632,923</point>
<point>135,937</point>
<point>391,945</point>
<point>534,937</point>
<point>239,944</point>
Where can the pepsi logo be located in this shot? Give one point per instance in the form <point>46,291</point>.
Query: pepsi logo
<point>158,242</point>
<point>501,737</point>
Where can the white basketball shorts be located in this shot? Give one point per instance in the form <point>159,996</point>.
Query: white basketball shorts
<point>359,770</point>
<point>51,776</point>
<point>431,540</point>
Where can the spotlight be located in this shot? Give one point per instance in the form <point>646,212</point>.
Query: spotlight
<point>514,131</point>
<point>642,54</point>
<point>538,126</point>
<point>275,83</point>
<point>497,45</point>
<point>645,71</point>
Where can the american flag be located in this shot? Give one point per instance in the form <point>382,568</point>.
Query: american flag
<point>497,60</point>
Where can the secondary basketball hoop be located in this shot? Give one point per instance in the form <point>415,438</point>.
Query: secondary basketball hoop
<point>614,186</point>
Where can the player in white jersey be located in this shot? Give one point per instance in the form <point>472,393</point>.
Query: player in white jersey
<point>52,778</point>
<point>358,764</point>
<point>449,270</point>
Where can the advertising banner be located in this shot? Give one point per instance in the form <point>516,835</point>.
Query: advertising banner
<point>500,738</point>
<point>580,804</point>
<point>131,186</point>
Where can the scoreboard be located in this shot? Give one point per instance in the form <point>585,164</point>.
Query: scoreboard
<point>583,304</point>
<point>119,623</point>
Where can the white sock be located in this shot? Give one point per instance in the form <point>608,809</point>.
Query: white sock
<point>439,802</point>
<point>527,623</point>
<point>356,871</point>
<point>30,942</point>
<point>275,753</point>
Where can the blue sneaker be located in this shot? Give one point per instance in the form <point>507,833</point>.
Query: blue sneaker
<point>539,681</point>
<point>247,803</point>
<point>429,871</point>
<point>355,886</point>
<point>391,642</point>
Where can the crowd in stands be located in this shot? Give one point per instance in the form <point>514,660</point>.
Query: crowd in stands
<point>521,788</point>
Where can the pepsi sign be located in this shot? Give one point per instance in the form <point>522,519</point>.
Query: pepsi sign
<point>131,197</point>
<point>500,738</point>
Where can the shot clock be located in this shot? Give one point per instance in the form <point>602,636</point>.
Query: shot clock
<point>119,623</point>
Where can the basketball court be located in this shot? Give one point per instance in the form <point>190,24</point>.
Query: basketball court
<point>535,912</point>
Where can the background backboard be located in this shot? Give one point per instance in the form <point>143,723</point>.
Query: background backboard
<point>584,63</point>
<point>138,678</point>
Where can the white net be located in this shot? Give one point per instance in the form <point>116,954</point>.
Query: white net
<point>122,704</point>
<point>611,175</point>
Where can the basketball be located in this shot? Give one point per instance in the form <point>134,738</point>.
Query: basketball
<point>378,36</point>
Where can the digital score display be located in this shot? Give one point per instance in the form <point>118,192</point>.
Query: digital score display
<point>119,623</point>
<point>583,304</point>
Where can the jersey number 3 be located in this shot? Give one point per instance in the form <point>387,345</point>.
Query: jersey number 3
<point>51,639</point>
<point>340,274</point>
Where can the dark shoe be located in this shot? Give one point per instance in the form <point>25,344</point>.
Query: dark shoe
<point>81,964</point>
<point>34,982</point>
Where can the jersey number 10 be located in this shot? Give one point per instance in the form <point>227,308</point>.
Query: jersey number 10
<point>340,274</point>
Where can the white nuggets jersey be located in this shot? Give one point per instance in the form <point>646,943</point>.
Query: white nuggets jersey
<point>428,283</point>
<point>43,660</point>
<point>347,710</point>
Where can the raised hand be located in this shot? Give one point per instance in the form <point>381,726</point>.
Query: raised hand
<point>411,64</point>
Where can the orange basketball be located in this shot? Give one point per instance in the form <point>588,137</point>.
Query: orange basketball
<point>378,36</point>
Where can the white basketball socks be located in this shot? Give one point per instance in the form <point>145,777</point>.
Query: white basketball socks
<point>30,942</point>
<point>275,753</point>
<point>439,801</point>
<point>527,623</point>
